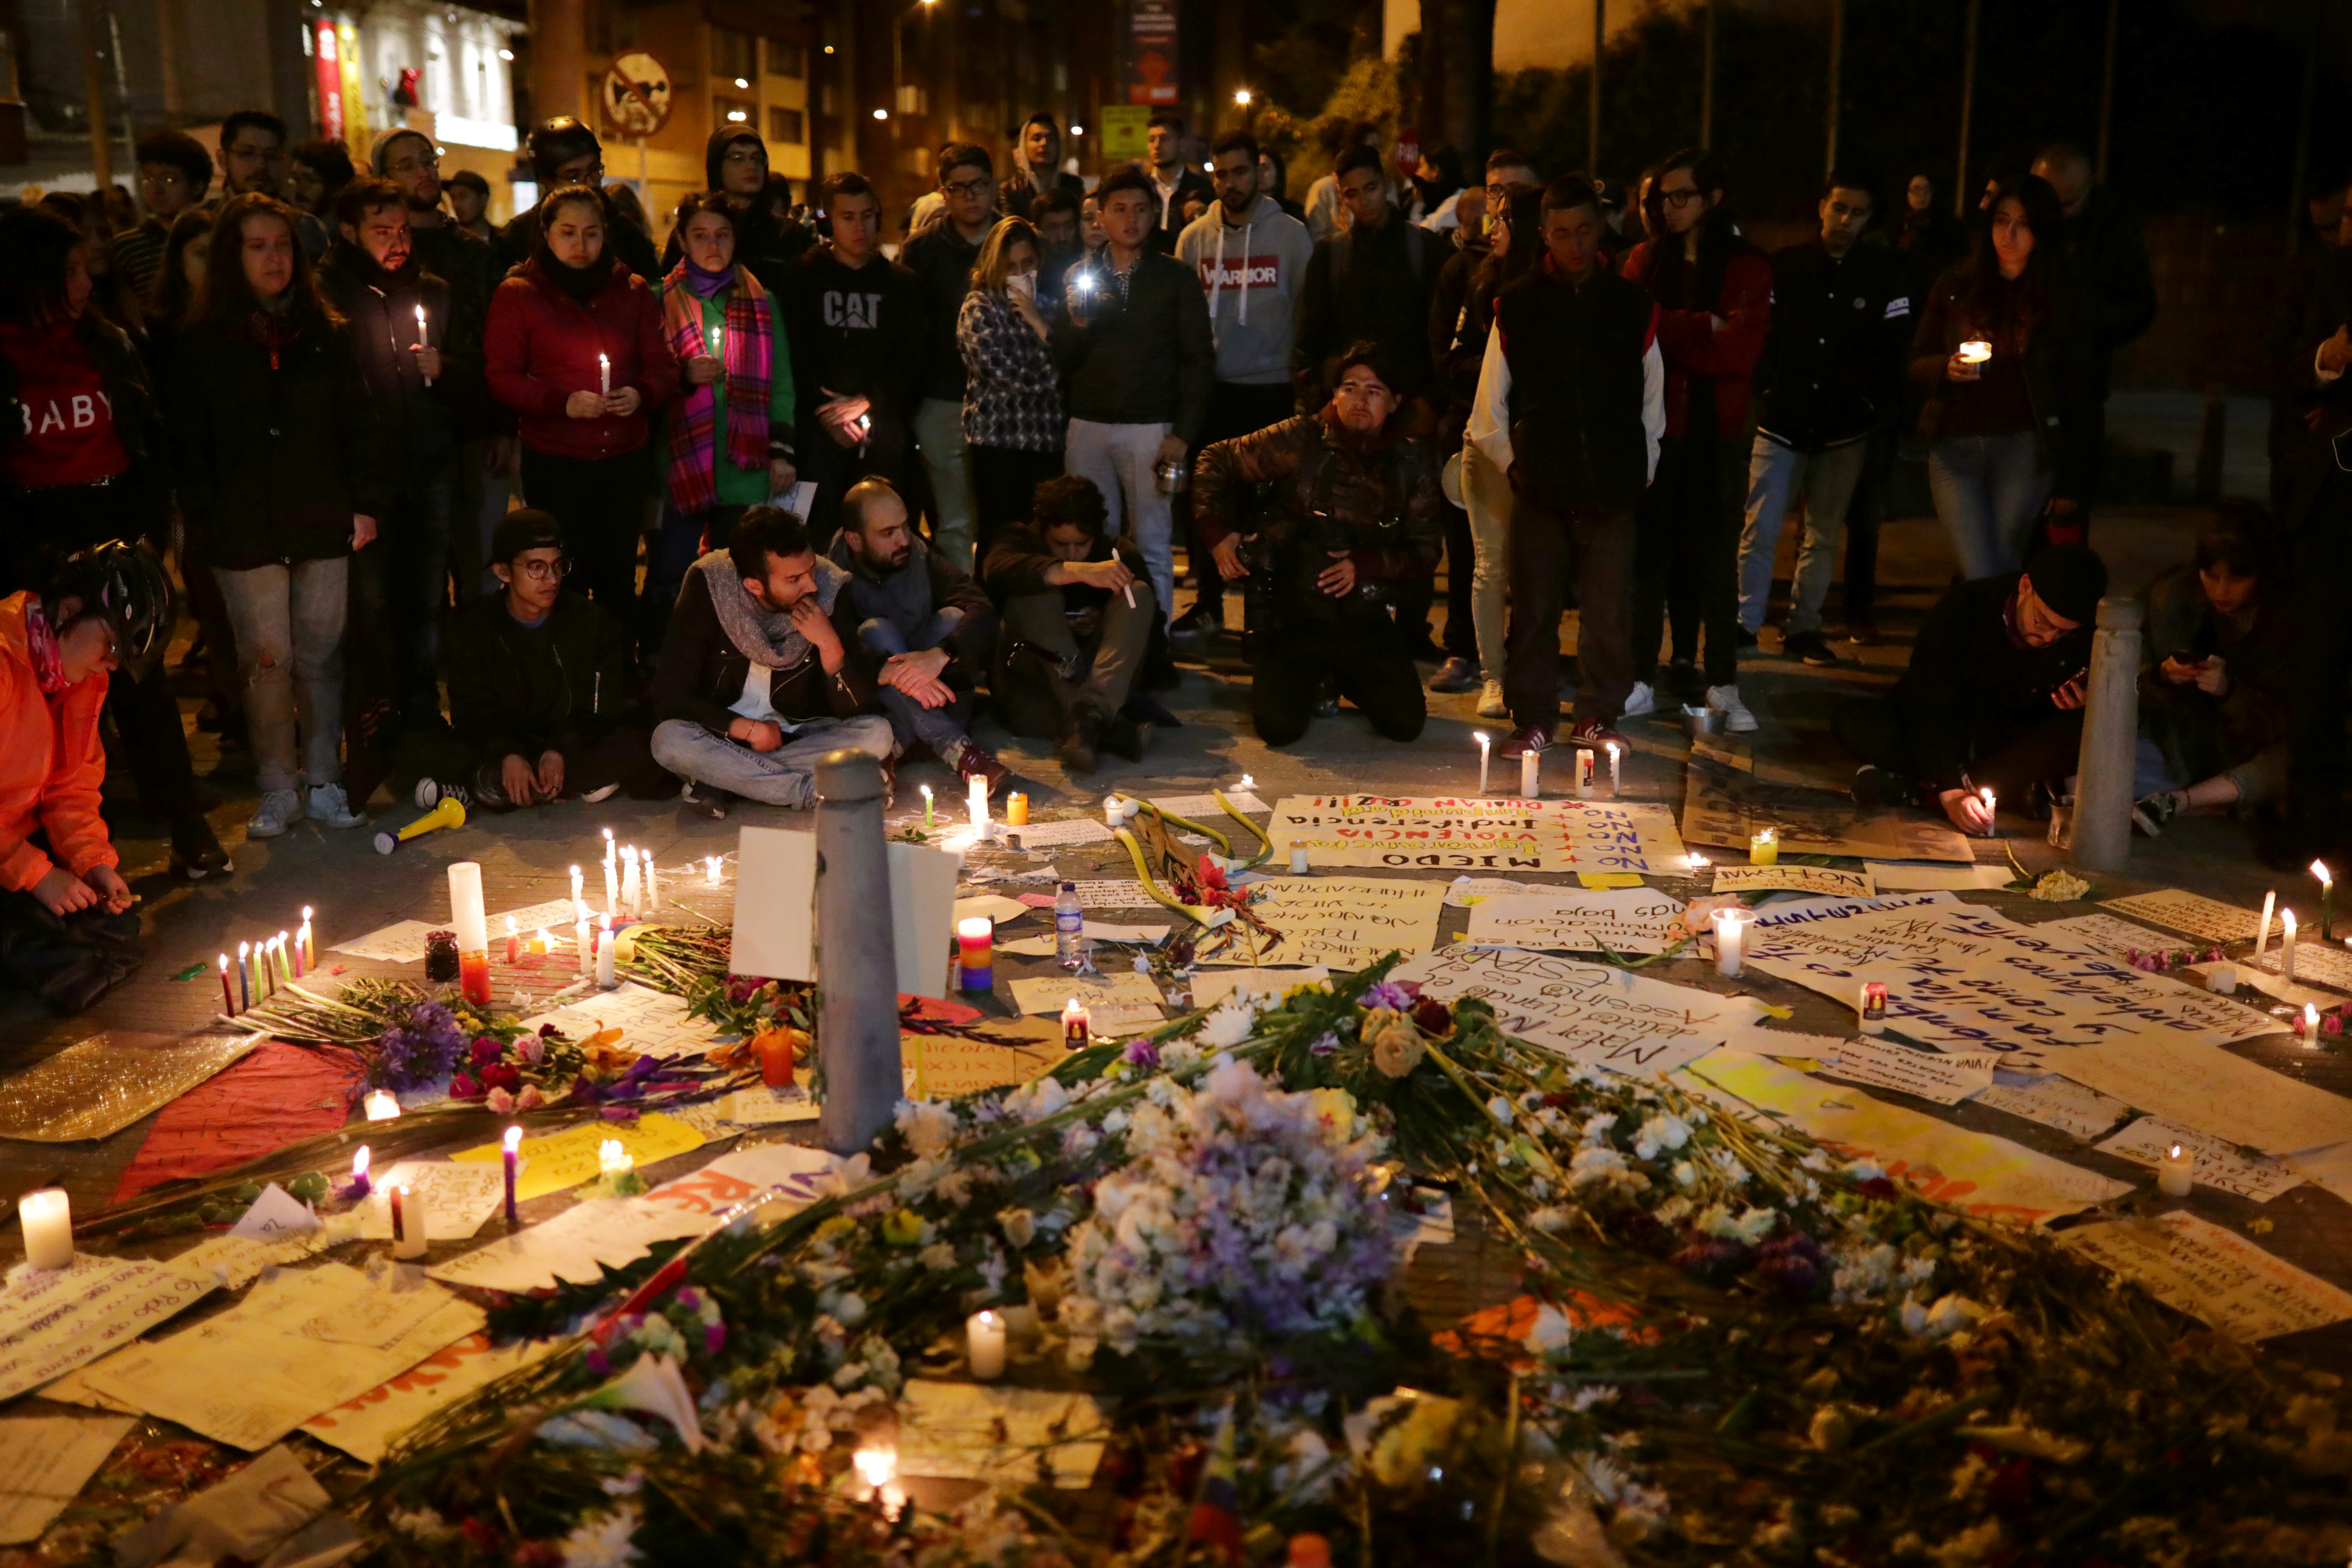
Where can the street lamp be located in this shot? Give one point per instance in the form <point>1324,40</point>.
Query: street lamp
<point>1243,98</point>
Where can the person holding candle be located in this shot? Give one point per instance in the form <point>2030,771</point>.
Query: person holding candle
<point>754,683</point>
<point>729,439</point>
<point>569,321</point>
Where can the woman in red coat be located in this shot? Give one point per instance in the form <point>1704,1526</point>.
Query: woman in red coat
<point>575,348</point>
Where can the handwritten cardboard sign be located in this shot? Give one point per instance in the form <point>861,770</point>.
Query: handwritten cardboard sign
<point>2218,1166</point>
<point>2198,915</point>
<point>1592,1012</point>
<point>2214,1275</point>
<point>364,1426</point>
<point>1341,923</point>
<point>1624,920</point>
<point>2198,1084</point>
<point>1826,880</point>
<point>1495,835</point>
<point>569,1157</point>
<point>53,1321</point>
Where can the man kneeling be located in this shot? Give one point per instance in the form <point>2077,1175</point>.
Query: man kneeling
<point>1356,518</point>
<point>1079,614</point>
<point>754,684</point>
<point>539,689</point>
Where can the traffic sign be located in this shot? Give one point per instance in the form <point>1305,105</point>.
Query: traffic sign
<point>636,94</point>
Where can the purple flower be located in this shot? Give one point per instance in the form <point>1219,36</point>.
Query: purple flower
<point>421,1049</point>
<point>486,1050</point>
<point>714,1338</point>
<point>1709,1259</point>
<point>1141,1052</point>
<point>689,1298</point>
<point>620,1113</point>
<point>1390,994</point>
<point>598,1362</point>
<point>1790,1265</point>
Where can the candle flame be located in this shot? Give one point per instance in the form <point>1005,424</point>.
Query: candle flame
<point>224,962</point>
<point>1480,737</point>
<point>2176,1151</point>
<point>513,1139</point>
<point>876,1466</point>
<point>360,1163</point>
<point>2319,869</point>
<point>510,926</point>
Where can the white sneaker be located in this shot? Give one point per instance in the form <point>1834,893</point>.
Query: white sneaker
<point>1491,704</point>
<point>328,804</point>
<point>1639,702</point>
<point>597,797</point>
<point>1725,700</point>
<point>279,810</point>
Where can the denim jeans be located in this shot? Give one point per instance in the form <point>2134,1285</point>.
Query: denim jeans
<point>1987,490</point>
<point>940,728</point>
<point>784,776</point>
<point>290,650</point>
<point>1119,459</point>
<point>1776,474</point>
<point>947,461</point>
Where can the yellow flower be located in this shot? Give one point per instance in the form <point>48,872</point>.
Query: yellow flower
<point>1405,1452</point>
<point>903,1228</point>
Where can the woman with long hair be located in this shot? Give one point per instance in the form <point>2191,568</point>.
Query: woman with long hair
<point>730,442</point>
<point>172,305</point>
<point>282,475</point>
<point>110,294</point>
<point>81,465</point>
<point>1996,359</point>
<point>576,347</point>
<point>1013,414</point>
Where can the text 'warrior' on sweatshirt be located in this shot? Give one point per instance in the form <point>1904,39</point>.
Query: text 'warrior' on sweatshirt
<point>1252,273</point>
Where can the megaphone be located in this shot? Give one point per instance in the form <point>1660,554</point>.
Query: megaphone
<point>449,813</point>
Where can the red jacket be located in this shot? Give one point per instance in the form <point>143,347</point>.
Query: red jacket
<point>1692,347</point>
<point>541,346</point>
<point>51,765</point>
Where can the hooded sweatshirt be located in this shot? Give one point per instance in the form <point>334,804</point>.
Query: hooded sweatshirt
<point>1251,274</point>
<point>51,765</point>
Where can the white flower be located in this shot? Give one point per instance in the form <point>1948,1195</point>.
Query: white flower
<point>1672,1211</point>
<point>928,1125</point>
<point>1595,1165</point>
<point>1952,1313</point>
<point>1970,1546</point>
<point>1598,1126</point>
<point>424,1524</point>
<point>602,1542</point>
<point>938,1258</point>
<point>1685,1173</point>
<point>1037,1099</point>
<point>1661,1132</point>
<point>1228,1025</point>
<point>1831,1429</point>
<point>1502,1110</point>
<point>845,1176</point>
<point>1864,1170</point>
<point>1020,1226</point>
<point>1550,1220</point>
<point>1552,1331</point>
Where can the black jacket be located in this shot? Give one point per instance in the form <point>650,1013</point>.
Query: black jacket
<point>1378,287</point>
<point>2110,285</point>
<point>700,674</point>
<point>1575,353</point>
<point>1189,182</point>
<point>857,333</point>
<point>273,459</point>
<point>905,598</point>
<point>1970,686</point>
<point>1147,360</point>
<point>941,261</point>
<point>518,242</point>
<point>417,423</point>
<point>2313,455</point>
<point>1019,559</point>
<point>1015,195</point>
<point>2058,376</point>
<point>519,691</point>
<point>1833,368</point>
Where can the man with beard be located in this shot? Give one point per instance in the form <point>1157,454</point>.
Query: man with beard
<point>908,608</point>
<point>253,162</point>
<point>416,378</point>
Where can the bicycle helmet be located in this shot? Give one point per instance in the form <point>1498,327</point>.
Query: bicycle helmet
<point>127,585</point>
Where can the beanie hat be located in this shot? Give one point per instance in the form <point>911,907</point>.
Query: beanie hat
<point>2070,579</point>
<point>380,150</point>
<point>526,529</point>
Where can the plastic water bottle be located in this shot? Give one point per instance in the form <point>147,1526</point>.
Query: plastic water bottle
<point>1069,925</point>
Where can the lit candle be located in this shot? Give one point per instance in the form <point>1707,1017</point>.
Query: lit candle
<point>1873,1008</point>
<point>1075,1033</point>
<point>472,926</point>
<point>510,1154</point>
<point>359,1188</point>
<point>2327,900</point>
<point>711,862</point>
<point>606,978</point>
<point>631,890</point>
<point>244,975</point>
<point>609,848</point>
<point>611,1160</point>
<point>1985,794</point>
<point>228,1000</point>
<point>1614,778</point>
<point>1764,849</point>
<point>983,1338</point>
<point>1485,755</point>
<point>1975,352</point>
<point>1247,784</point>
<point>2308,1025</point>
<point>2175,1171</point>
<point>285,958</point>
<point>876,1466</point>
<point>423,338</point>
<point>979,807</point>
<point>927,813</point>
<point>975,943</point>
<point>1298,861</point>
<point>580,940</point>
<point>2286,948</point>
<point>382,1105</point>
<point>2223,978</point>
<point>1114,813</point>
<point>575,884</point>
<point>2263,936</point>
<point>612,886</point>
<point>540,945</point>
<point>1730,941</point>
<point>514,941</point>
<point>408,1223</point>
<point>1016,810</point>
<point>715,336</point>
<point>310,942</point>
<point>302,959</point>
<point>653,882</point>
<point>604,375</point>
<point>1531,774</point>
<point>47,1218</point>
<point>1583,772</point>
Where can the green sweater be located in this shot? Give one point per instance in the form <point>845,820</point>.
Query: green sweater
<point>745,486</point>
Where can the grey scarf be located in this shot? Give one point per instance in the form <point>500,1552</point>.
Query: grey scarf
<point>764,636</point>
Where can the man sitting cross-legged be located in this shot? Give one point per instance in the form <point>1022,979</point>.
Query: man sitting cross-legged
<point>754,684</point>
<point>904,606</point>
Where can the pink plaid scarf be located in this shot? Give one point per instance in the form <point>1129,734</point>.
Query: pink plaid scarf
<point>748,349</point>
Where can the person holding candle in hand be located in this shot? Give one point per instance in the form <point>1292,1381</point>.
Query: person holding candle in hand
<point>576,347</point>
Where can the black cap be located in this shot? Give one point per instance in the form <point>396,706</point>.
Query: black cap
<point>527,529</point>
<point>2071,579</point>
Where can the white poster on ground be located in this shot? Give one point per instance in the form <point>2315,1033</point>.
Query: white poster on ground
<point>1594,1012</point>
<point>1494,835</point>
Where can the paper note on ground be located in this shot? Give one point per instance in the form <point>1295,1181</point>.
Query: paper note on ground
<point>786,1172</point>
<point>51,1323</point>
<point>298,1344</point>
<point>365,1425</point>
<point>774,927</point>
<point>45,1461</point>
<point>403,942</point>
<point>1477,833</point>
<point>761,1106</point>
<point>457,1197</point>
<point>2075,1110</point>
<point>2315,963</point>
<point>1828,881</point>
<point>1068,831</point>
<point>2329,1168</point>
<point>569,1157</point>
<point>1093,930</point>
<point>1470,890</point>
<point>1924,1074</point>
<point>2115,939</point>
<point>230,1262</point>
<point>573,1247</point>
<point>275,1216</point>
<point>652,1022</point>
<point>1341,923</point>
<point>2294,993</point>
<point>995,906</point>
<point>2219,1164</point>
<point>947,1065</point>
<point>1599,879</point>
<point>2214,1275</point>
<point>2188,912</point>
<point>1988,1177</point>
<point>2202,1086</point>
<point>1901,876</point>
<point>1211,986</point>
<point>1115,987</point>
<point>1622,920</point>
<point>977,1431</point>
<point>1594,1012</point>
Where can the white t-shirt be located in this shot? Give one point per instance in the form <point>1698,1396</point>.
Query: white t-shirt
<point>755,705</point>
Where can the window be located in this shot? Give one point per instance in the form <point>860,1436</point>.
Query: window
<point>785,127</point>
<point>733,55</point>
<point>786,59</point>
<point>725,111</point>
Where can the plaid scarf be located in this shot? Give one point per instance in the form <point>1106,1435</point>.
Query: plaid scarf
<point>693,434</point>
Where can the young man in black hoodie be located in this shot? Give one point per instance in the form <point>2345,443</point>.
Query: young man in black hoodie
<point>735,162</point>
<point>853,321</point>
<point>754,683</point>
<point>941,258</point>
<point>565,152</point>
<point>539,681</point>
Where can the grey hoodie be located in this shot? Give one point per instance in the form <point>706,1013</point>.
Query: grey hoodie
<point>1252,274</point>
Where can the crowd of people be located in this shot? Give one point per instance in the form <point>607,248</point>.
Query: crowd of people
<point>676,519</point>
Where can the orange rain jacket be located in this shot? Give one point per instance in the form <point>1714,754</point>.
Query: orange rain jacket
<point>51,765</point>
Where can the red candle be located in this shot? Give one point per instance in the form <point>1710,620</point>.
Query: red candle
<point>975,939</point>
<point>474,977</point>
<point>228,1003</point>
<point>514,941</point>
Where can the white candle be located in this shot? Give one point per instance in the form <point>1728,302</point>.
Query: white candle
<point>310,943</point>
<point>609,849</point>
<point>466,914</point>
<point>1486,756</point>
<point>1247,784</point>
<point>604,976</point>
<point>2263,936</point>
<point>2286,946</point>
<point>423,338</point>
<point>603,375</point>
<point>710,870</point>
<point>653,882</point>
<point>1531,774</point>
<point>631,892</point>
<point>1614,776</point>
<point>983,1337</point>
<point>1298,862</point>
<point>1986,794</point>
<point>1730,941</point>
<point>408,1223</point>
<point>47,1218</point>
<point>579,941</point>
<point>979,806</point>
<point>575,884</point>
<point>2223,978</point>
<point>382,1105</point>
<point>2175,1171</point>
<point>613,1160</point>
<point>611,886</point>
<point>1112,814</point>
<point>2308,1025</point>
<point>1583,772</point>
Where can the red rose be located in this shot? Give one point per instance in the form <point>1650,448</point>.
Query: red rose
<point>462,1087</point>
<point>502,1075</point>
<point>487,1049</point>
<point>1432,1016</point>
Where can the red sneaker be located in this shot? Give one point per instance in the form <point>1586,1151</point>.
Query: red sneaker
<point>978,762</point>
<point>1596,733</point>
<point>1534,737</point>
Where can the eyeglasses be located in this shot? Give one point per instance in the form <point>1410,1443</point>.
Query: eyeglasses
<point>745,156</point>
<point>415,164</point>
<point>546,571</point>
<point>1680,198</point>
<point>964,187</point>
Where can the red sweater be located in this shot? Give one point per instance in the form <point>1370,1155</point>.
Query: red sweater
<point>1692,347</point>
<point>541,346</point>
<point>69,435</point>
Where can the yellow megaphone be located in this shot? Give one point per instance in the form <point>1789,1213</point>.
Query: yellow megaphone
<point>449,813</point>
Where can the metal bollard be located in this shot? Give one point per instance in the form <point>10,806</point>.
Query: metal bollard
<point>856,966</point>
<point>2102,794</point>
